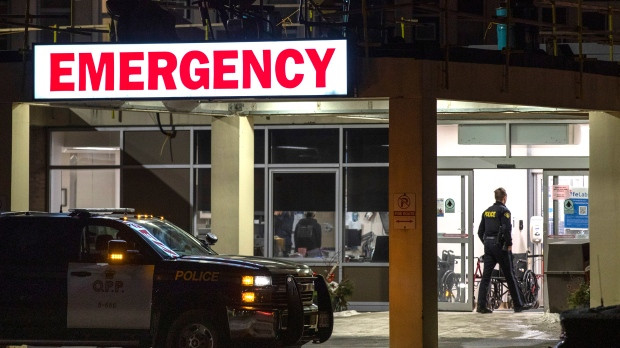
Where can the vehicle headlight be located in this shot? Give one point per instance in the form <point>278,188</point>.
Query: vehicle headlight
<point>256,280</point>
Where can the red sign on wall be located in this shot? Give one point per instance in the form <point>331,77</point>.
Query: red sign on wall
<point>191,70</point>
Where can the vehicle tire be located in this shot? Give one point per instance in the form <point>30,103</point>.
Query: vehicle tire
<point>195,329</point>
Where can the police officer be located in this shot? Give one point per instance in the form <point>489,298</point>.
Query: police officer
<point>497,251</point>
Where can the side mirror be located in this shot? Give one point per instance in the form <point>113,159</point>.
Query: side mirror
<point>117,251</point>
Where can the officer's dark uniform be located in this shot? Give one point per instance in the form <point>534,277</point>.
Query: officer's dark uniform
<point>493,254</point>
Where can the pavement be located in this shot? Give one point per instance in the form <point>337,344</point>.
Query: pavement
<point>502,328</point>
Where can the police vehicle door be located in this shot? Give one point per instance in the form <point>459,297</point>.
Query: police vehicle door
<point>103,295</point>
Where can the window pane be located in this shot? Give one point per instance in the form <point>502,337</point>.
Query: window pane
<point>202,149</point>
<point>577,143</point>
<point>153,147</point>
<point>85,148</point>
<point>360,236</point>
<point>303,145</point>
<point>366,217</point>
<point>84,188</point>
<point>366,145</point>
<point>450,143</point>
<point>297,233</point>
<point>259,146</point>
<point>367,189</point>
<point>304,191</point>
<point>259,190</point>
<point>158,192</point>
<point>203,201</point>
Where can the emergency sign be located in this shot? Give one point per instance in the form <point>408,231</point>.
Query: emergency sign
<point>187,70</point>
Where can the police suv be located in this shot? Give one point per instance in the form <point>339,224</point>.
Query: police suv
<point>112,278</point>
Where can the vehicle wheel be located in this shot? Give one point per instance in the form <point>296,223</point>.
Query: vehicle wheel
<point>195,330</point>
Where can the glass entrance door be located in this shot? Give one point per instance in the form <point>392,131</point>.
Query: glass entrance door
<point>304,211</point>
<point>455,262</point>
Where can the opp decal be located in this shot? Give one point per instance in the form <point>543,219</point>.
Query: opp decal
<point>191,70</point>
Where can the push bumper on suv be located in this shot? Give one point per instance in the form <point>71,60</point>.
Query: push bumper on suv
<point>296,319</point>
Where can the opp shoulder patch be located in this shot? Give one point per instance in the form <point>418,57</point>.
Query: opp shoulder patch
<point>507,215</point>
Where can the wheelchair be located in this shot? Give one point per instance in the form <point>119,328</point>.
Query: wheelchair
<point>527,284</point>
<point>448,289</point>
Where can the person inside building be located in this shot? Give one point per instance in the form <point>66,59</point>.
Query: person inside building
<point>495,233</point>
<point>308,236</point>
<point>283,228</point>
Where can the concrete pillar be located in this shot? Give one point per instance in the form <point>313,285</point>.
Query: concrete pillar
<point>604,201</point>
<point>20,158</point>
<point>413,251</point>
<point>232,184</point>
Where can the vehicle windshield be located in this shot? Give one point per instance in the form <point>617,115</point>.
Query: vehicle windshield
<point>173,238</point>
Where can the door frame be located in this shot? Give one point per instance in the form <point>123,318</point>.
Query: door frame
<point>466,241</point>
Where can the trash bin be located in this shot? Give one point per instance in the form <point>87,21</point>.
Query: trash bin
<point>566,270</point>
<point>591,327</point>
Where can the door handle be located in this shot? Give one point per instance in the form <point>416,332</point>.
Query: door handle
<point>81,274</point>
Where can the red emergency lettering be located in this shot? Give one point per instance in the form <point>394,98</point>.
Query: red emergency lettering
<point>193,69</point>
<point>155,70</point>
<point>220,69</point>
<point>87,64</point>
<point>201,73</point>
<point>56,72</point>
<point>320,65</point>
<point>281,68</point>
<point>126,71</point>
<point>250,63</point>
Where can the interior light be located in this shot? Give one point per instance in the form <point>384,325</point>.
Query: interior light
<point>247,280</point>
<point>248,297</point>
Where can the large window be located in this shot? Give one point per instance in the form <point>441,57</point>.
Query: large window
<point>333,175</point>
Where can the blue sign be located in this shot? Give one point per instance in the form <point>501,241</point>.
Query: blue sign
<point>576,213</point>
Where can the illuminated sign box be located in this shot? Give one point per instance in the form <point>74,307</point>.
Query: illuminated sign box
<point>203,70</point>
